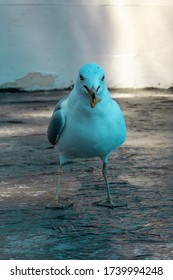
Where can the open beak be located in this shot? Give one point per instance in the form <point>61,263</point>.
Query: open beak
<point>93,98</point>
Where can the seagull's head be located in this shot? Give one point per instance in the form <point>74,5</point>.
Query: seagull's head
<point>91,82</point>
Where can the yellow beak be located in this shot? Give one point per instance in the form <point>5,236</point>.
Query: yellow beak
<point>93,98</point>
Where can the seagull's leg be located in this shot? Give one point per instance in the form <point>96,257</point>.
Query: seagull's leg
<point>56,201</point>
<point>58,187</point>
<point>109,198</point>
<point>108,202</point>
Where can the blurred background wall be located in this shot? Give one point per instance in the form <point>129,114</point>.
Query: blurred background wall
<point>45,42</point>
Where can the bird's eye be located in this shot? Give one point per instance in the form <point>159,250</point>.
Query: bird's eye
<point>81,77</point>
<point>103,78</point>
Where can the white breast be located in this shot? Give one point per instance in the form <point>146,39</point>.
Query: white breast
<point>92,132</point>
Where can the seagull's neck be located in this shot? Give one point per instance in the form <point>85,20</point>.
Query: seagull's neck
<point>80,103</point>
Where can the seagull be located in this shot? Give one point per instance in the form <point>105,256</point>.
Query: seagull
<point>87,123</point>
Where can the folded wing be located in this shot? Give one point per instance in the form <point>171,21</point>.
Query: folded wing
<point>57,123</point>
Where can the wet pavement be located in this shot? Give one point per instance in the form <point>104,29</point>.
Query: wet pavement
<point>140,174</point>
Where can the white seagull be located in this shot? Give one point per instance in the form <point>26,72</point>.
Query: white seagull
<point>87,123</point>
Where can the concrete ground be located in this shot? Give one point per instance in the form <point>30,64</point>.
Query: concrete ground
<point>140,174</point>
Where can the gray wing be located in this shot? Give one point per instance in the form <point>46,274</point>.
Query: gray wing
<point>57,123</point>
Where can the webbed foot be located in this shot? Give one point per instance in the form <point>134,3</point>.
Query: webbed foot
<point>56,204</point>
<point>109,203</point>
